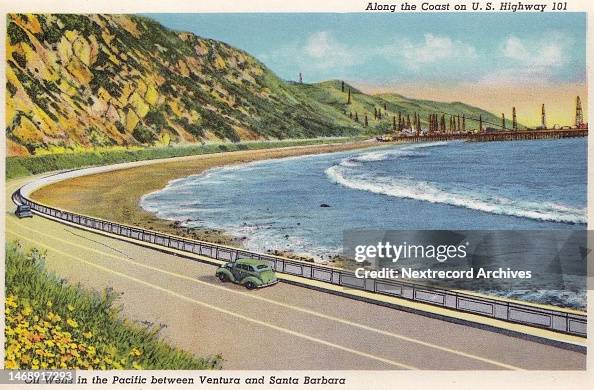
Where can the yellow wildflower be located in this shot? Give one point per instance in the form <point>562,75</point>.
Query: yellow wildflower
<point>72,323</point>
<point>70,307</point>
<point>11,365</point>
<point>136,366</point>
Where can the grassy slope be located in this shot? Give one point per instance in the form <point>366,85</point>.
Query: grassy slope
<point>50,324</point>
<point>32,165</point>
<point>105,80</point>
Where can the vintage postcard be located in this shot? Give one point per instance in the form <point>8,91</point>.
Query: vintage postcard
<point>331,195</point>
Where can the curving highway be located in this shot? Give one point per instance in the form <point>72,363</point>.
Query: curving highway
<point>282,327</point>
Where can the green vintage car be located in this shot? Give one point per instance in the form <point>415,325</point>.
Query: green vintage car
<point>247,272</point>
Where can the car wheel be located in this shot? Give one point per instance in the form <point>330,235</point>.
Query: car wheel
<point>223,278</point>
<point>250,285</point>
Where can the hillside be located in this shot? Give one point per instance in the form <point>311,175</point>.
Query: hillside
<point>78,81</point>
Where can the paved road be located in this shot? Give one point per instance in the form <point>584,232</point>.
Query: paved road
<point>281,327</point>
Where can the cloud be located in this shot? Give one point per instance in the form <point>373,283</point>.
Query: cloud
<point>435,48</point>
<point>528,61</point>
<point>326,52</point>
<point>322,52</point>
<point>551,51</point>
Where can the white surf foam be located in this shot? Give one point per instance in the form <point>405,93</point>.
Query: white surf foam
<point>424,191</point>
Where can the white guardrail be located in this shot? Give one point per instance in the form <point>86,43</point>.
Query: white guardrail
<point>515,312</point>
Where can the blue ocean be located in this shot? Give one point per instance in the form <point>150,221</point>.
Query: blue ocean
<point>276,204</point>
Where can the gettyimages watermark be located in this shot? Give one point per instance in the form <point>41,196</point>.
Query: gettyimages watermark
<point>487,260</point>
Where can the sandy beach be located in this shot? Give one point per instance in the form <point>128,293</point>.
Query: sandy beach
<point>115,195</point>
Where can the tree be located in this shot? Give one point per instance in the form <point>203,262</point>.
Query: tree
<point>366,123</point>
<point>356,117</point>
<point>342,86</point>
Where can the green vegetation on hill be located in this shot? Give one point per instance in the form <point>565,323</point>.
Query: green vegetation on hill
<point>53,325</point>
<point>31,165</point>
<point>122,80</point>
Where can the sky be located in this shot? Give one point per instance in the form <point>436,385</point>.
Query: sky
<point>492,60</point>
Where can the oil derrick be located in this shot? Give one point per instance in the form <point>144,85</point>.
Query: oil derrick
<point>408,126</point>
<point>342,86</point>
<point>480,129</point>
<point>379,113</point>
<point>463,122</point>
<point>451,128</point>
<point>349,98</point>
<point>394,128</point>
<point>300,78</point>
<point>543,118</point>
<point>514,119</point>
<point>503,121</point>
<point>579,114</point>
<point>418,124</point>
<point>385,107</point>
<point>374,113</point>
<point>356,117</point>
<point>458,128</point>
<point>366,123</point>
<point>442,126</point>
<point>399,121</point>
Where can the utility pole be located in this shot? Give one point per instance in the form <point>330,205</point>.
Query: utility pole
<point>543,118</point>
<point>514,119</point>
<point>349,98</point>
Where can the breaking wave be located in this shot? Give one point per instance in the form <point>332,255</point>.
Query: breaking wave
<point>345,175</point>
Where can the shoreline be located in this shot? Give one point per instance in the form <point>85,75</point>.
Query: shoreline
<point>116,195</point>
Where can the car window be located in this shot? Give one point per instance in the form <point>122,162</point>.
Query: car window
<point>249,268</point>
<point>262,266</point>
